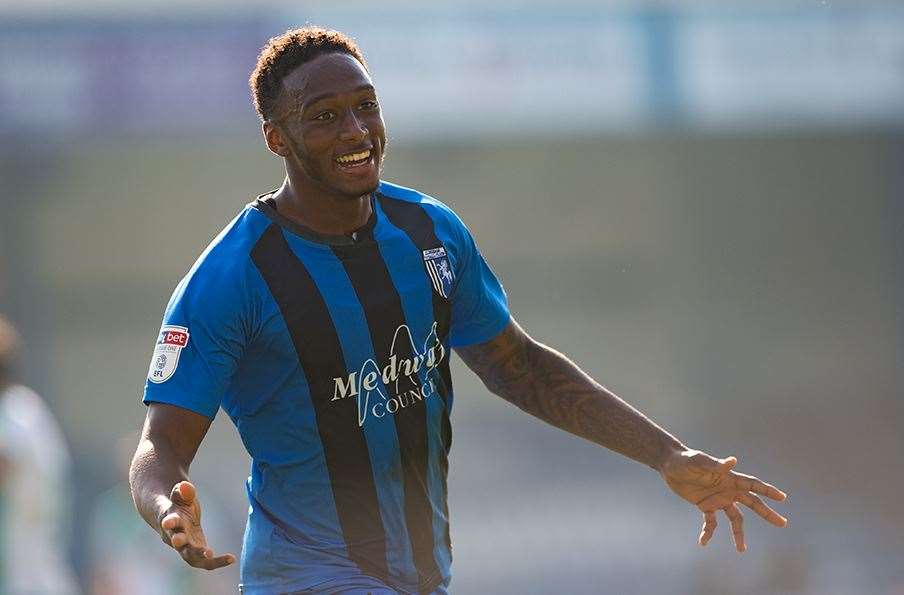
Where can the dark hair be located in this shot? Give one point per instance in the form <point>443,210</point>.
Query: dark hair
<point>284,53</point>
<point>9,352</point>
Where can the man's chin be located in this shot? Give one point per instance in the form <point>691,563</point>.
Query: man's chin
<point>361,189</point>
<point>372,187</point>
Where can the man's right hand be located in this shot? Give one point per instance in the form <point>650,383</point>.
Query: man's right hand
<point>180,528</point>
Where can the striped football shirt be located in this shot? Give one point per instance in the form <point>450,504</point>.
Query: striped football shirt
<point>331,356</point>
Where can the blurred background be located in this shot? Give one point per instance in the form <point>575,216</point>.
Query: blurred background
<point>701,202</point>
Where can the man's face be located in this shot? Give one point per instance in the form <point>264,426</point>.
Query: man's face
<point>332,125</point>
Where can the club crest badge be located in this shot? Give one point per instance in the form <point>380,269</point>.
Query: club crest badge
<point>439,270</point>
<point>170,343</point>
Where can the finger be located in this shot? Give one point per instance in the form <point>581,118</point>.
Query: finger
<point>204,558</point>
<point>179,540</point>
<point>749,483</point>
<point>728,463</point>
<point>708,462</point>
<point>737,526</point>
<point>192,538</point>
<point>193,550</point>
<point>173,522</point>
<point>709,527</point>
<point>194,555</point>
<point>183,492</point>
<point>218,562</point>
<point>761,508</point>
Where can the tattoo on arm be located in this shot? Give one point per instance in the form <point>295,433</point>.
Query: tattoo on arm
<point>546,384</point>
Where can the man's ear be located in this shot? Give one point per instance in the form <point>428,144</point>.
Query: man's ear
<point>276,141</point>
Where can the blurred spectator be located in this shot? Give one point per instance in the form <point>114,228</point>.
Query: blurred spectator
<point>34,486</point>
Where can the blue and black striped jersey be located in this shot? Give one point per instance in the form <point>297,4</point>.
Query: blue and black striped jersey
<point>331,356</point>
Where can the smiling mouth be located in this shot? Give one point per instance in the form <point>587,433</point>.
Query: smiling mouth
<point>350,160</point>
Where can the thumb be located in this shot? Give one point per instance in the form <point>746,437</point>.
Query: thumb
<point>728,463</point>
<point>183,493</point>
<point>707,462</point>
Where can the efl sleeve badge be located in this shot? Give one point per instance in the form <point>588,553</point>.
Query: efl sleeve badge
<point>166,353</point>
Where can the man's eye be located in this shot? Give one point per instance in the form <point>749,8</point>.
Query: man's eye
<point>324,116</point>
<point>370,104</point>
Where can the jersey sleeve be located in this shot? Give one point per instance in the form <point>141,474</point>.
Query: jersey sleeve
<point>204,333</point>
<point>479,304</point>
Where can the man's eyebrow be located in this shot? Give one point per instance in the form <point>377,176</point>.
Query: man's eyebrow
<point>307,101</point>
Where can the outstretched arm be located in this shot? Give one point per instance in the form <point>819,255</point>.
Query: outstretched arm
<point>546,384</point>
<point>162,492</point>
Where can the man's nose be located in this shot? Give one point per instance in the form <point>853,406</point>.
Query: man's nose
<point>352,127</point>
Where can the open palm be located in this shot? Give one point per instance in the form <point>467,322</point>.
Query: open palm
<point>711,485</point>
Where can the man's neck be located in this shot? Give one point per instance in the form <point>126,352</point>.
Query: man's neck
<point>322,212</point>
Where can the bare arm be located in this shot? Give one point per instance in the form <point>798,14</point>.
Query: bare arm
<point>161,489</point>
<point>546,384</point>
<point>169,441</point>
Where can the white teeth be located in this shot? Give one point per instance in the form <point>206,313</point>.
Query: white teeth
<point>354,157</point>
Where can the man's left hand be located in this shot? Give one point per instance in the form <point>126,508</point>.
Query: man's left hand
<point>711,485</point>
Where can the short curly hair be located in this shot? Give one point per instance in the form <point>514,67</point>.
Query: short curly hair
<point>284,53</point>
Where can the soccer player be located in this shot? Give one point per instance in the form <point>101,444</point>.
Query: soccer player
<point>34,486</point>
<point>322,321</point>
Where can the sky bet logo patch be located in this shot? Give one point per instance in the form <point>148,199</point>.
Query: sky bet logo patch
<point>170,343</point>
<point>439,270</point>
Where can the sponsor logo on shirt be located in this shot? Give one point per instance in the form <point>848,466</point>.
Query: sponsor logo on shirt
<point>439,270</point>
<point>401,383</point>
<point>170,343</point>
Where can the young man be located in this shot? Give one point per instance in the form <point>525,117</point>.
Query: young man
<point>321,320</point>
